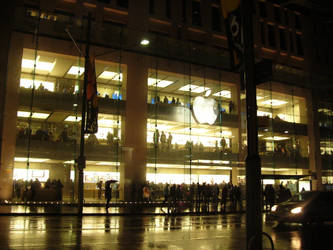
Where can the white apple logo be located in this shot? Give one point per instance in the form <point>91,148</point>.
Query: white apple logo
<point>205,110</point>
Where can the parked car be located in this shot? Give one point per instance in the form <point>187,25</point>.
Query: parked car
<point>305,207</point>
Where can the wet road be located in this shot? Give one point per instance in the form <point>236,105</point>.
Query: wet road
<point>151,232</point>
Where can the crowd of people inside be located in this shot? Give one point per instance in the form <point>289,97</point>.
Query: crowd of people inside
<point>34,190</point>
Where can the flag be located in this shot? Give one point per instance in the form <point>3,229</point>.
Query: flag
<point>232,19</point>
<point>92,99</point>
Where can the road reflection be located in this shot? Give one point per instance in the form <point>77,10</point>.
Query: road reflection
<point>151,232</point>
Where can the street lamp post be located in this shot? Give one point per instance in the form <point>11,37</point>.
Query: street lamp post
<point>253,164</point>
<point>81,161</point>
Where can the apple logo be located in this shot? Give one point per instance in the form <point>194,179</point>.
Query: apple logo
<point>205,110</point>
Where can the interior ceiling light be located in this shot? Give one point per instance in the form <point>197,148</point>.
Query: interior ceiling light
<point>276,138</point>
<point>274,102</point>
<point>259,97</point>
<point>34,115</point>
<point>106,163</point>
<point>23,114</point>
<point>194,88</point>
<point>208,92</point>
<point>223,93</point>
<point>72,118</point>
<point>24,159</point>
<point>159,82</point>
<point>109,75</point>
<point>75,70</point>
<point>44,66</point>
<point>144,42</point>
<point>40,115</point>
<point>69,162</point>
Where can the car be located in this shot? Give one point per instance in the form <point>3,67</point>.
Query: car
<point>306,207</point>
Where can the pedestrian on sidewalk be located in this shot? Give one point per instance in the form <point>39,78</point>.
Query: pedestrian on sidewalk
<point>108,194</point>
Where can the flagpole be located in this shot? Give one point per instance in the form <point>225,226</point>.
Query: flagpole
<point>81,161</point>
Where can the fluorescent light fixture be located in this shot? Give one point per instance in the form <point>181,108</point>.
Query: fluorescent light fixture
<point>144,42</point>
<point>27,64</point>
<point>28,83</point>
<point>111,75</point>
<point>74,70</point>
<point>208,92</point>
<point>274,102</point>
<point>276,138</point>
<point>69,162</point>
<point>194,88</point>
<point>40,115</point>
<point>158,82</point>
<point>23,114</point>
<point>34,115</point>
<point>226,133</point>
<point>259,97</point>
<point>107,163</point>
<point>199,89</point>
<point>72,118</point>
<point>264,113</point>
<point>223,93</point>
<point>24,159</point>
<point>44,66</point>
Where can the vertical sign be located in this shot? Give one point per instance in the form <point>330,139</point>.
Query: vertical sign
<point>232,18</point>
<point>92,99</point>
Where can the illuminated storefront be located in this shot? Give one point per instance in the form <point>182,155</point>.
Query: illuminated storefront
<point>187,109</point>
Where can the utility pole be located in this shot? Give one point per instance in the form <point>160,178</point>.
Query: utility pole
<point>81,162</point>
<point>253,164</point>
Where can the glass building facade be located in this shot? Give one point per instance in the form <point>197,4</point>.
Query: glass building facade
<point>174,108</point>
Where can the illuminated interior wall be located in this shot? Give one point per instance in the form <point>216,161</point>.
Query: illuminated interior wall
<point>283,140</point>
<point>325,120</point>
<point>182,137</point>
<point>52,111</point>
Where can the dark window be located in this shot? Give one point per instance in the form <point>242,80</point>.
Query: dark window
<point>168,8</point>
<point>196,13</point>
<point>104,1</point>
<point>216,22</point>
<point>277,14</point>
<point>122,3</point>
<point>263,33</point>
<point>151,7</point>
<point>299,45</point>
<point>262,9</point>
<point>286,18</point>
<point>298,22</point>
<point>271,36</point>
<point>283,45</point>
<point>184,11</point>
<point>291,42</point>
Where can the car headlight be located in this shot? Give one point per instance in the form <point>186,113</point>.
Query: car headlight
<point>296,210</point>
<point>273,209</point>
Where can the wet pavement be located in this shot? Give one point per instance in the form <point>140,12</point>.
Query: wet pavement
<point>151,232</point>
